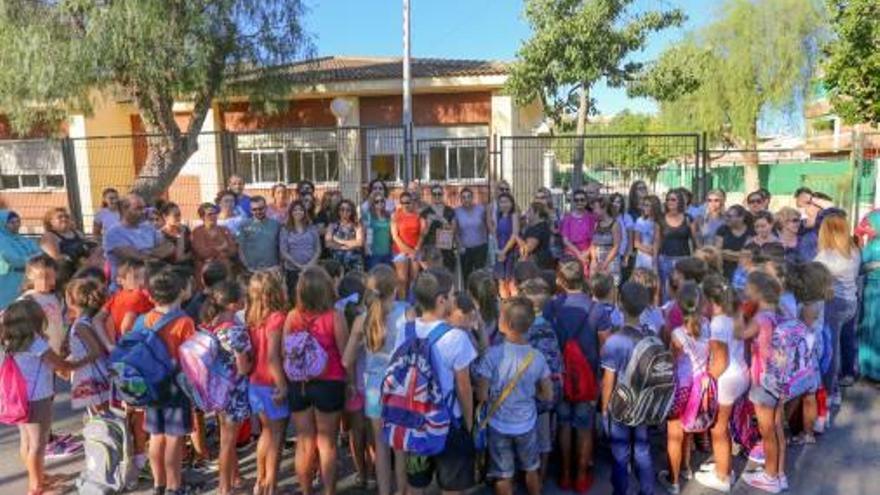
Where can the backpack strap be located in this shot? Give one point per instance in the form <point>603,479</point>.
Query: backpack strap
<point>162,322</point>
<point>509,388</point>
<point>409,331</point>
<point>437,333</point>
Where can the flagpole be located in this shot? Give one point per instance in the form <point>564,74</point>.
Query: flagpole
<point>407,96</point>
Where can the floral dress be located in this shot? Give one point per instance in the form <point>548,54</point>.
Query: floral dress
<point>603,242</point>
<point>89,384</point>
<point>235,338</point>
<point>350,259</point>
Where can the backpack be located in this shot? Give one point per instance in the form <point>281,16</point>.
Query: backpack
<point>415,414</point>
<point>210,381</point>
<point>578,380</point>
<point>304,358</point>
<point>702,404</point>
<point>14,394</point>
<point>791,369</point>
<point>645,390</point>
<point>141,368</point>
<point>543,338</point>
<point>744,424</point>
<point>109,455</point>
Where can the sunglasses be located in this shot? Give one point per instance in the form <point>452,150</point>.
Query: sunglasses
<point>405,203</point>
<point>504,189</point>
<point>379,202</point>
<point>755,201</point>
<point>437,194</point>
<point>345,208</point>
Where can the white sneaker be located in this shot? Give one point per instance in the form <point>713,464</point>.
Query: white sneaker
<point>762,481</point>
<point>708,466</point>
<point>783,482</point>
<point>140,460</point>
<point>710,480</point>
<point>819,425</point>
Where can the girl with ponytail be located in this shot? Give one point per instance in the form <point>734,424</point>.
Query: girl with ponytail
<point>377,333</point>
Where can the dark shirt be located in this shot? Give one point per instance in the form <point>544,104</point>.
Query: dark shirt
<point>435,223</point>
<point>731,242</point>
<point>676,241</point>
<point>541,255</point>
<point>575,316</point>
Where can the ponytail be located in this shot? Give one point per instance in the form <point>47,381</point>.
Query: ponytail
<point>220,296</point>
<point>689,298</point>
<point>381,284</point>
<point>718,291</point>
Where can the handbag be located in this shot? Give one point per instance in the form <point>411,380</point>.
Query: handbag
<point>485,412</point>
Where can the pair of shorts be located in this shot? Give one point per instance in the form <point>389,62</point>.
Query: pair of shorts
<point>731,386</point>
<point>579,415</point>
<point>373,403</point>
<point>761,397</point>
<point>40,411</point>
<point>260,399</point>
<point>327,396</point>
<point>401,257</point>
<point>454,466</point>
<point>174,421</point>
<point>507,453</point>
<point>355,402</point>
<point>544,429</point>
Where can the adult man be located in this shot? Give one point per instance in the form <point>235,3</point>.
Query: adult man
<point>133,238</point>
<point>235,185</point>
<point>258,238</point>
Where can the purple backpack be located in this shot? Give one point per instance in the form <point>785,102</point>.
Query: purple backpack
<point>792,369</point>
<point>702,405</point>
<point>210,382</point>
<point>304,357</point>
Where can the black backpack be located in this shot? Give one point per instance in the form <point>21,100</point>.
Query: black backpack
<point>645,390</point>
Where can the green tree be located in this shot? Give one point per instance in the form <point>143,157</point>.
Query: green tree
<point>758,56</point>
<point>852,69</point>
<point>154,52</point>
<point>575,44</point>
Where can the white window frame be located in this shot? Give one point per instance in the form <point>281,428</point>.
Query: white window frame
<point>43,186</point>
<point>283,153</point>
<point>455,148</point>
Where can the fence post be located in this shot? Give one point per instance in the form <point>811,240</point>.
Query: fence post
<point>71,182</point>
<point>857,158</point>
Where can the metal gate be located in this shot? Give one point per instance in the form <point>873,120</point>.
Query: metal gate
<point>615,161</point>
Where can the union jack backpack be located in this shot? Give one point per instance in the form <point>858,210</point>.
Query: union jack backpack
<point>416,415</point>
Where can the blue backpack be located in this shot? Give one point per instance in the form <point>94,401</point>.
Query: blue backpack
<point>415,414</point>
<point>141,368</point>
<point>542,337</point>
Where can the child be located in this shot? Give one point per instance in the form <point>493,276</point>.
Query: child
<point>218,317</point>
<point>711,255</point>
<point>763,290</point>
<point>606,314</point>
<point>646,233</point>
<point>127,303</point>
<point>482,287</point>
<point>727,364</point>
<point>652,317</point>
<point>787,301</point>
<point>513,376</point>
<point>542,337</point>
<point>170,422</point>
<point>626,441</point>
<point>690,347</point>
<point>690,269</point>
<point>267,393</point>
<point>90,387</point>
<point>212,274</point>
<point>570,314</point>
<point>376,332</point>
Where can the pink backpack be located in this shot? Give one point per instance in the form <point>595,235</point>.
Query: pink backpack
<point>209,382</point>
<point>304,358</point>
<point>14,394</point>
<point>702,406</point>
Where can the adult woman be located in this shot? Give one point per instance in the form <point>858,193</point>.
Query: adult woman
<point>228,216</point>
<point>438,227</point>
<point>732,236</point>
<point>607,236</point>
<point>377,186</point>
<point>678,237</point>
<point>577,230</point>
<point>507,241</point>
<point>177,233</point>
<point>377,226</point>
<point>617,203</point>
<point>15,250</point>
<point>316,404</point>
<point>280,204</point>
<point>299,245</point>
<point>762,224</point>
<point>869,327</point>
<point>646,234</point>
<point>841,256</point>
<point>212,241</point>
<point>788,224</point>
<point>638,191</point>
<point>473,233</point>
<point>535,244</point>
<point>713,218</point>
<point>544,195</point>
<point>108,215</point>
<point>345,238</point>
<point>406,235</point>
<point>64,243</point>
<point>327,214</point>
<point>309,203</point>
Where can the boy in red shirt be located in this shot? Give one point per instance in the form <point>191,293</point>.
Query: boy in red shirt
<point>132,300</point>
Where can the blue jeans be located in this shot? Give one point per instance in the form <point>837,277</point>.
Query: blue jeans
<point>627,442</point>
<point>838,312</point>
<point>382,259</point>
<point>849,349</point>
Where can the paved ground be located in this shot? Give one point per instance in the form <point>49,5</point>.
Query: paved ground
<point>845,462</point>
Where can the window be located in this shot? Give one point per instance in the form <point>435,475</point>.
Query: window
<point>383,167</point>
<point>457,163</point>
<point>269,166</point>
<point>31,181</point>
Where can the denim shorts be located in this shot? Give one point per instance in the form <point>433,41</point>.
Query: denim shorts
<point>260,398</point>
<point>579,415</point>
<point>761,397</point>
<point>174,421</point>
<point>544,428</point>
<point>373,403</point>
<point>507,453</point>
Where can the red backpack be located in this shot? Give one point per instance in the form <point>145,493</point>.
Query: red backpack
<point>14,394</point>
<point>578,380</point>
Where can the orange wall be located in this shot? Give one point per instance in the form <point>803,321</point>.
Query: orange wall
<point>41,131</point>
<point>429,109</point>
<point>32,205</point>
<point>300,113</point>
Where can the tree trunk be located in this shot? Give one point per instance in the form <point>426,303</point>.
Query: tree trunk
<point>751,178</point>
<point>577,172</point>
<point>166,156</point>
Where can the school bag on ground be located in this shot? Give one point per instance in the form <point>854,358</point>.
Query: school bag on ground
<point>141,369</point>
<point>543,338</point>
<point>209,381</point>
<point>792,368</point>
<point>645,390</point>
<point>304,358</point>
<point>415,414</point>
<point>109,455</point>
<point>14,393</point>
<point>702,405</point>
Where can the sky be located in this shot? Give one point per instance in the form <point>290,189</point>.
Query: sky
<point>468,29</point>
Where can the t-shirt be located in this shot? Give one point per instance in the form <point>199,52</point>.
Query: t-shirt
<point>731,242</point>
<point>124,302</point>
<point>142,238</point>
<point>542,255</point>
<point>37,373</point>
<point>518,413</point>
<point>652,317</point>
<point>644,229</point>
<point>436,221</point>
<point>107,219</point>
<point>322,328</point>
<point>844,270</point>
<point>173,334</point>
<point>788,306</point>
<point>618,350</point>
<point>258,241</point>
<point>695,358</point>
<point>578,229</point>
<point>260,335</point>
<point>299,246</point>
<point>721,330</point>
<point>472,227</point>
<point>56,332</point>
<point>762,344</point>
<point>452,353</point>
<point>573,316</point>
<point>408,228</point>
